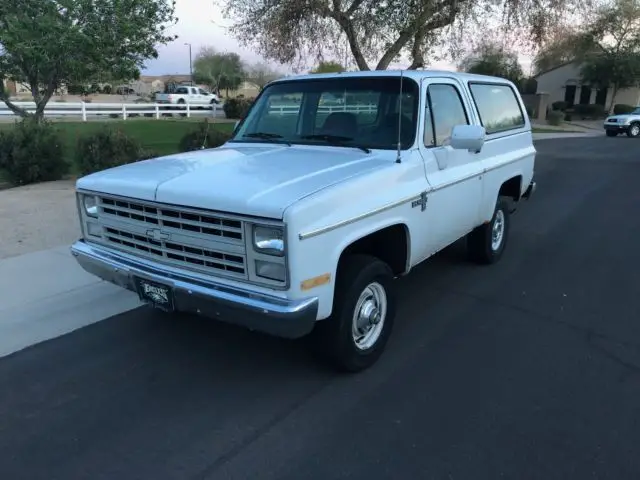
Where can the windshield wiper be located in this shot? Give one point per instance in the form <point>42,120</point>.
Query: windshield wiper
<point>336,140</point>
<point>264,136</point>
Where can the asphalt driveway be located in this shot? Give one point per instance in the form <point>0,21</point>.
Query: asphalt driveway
<point>528,369</point>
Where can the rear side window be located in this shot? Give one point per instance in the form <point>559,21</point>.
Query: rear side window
<point>497,106</point>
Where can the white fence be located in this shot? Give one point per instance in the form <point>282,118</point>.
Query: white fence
<point>87,111</point>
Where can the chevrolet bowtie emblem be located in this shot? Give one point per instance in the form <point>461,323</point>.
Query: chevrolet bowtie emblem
<point>158,235</point>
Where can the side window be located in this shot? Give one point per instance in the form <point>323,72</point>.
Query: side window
<point>445,110</point>
<point>497,106</point>
<point>181,90</point>
<point>202,92</point>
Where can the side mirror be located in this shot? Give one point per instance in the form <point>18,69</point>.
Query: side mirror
<point>468,137</point>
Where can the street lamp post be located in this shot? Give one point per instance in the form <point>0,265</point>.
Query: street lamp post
<point>190,65</point>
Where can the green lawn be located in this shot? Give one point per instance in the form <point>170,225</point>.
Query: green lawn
<point>159,136</point>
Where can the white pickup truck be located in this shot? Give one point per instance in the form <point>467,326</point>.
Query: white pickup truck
<point>301,222</point>
<point>196,97</point>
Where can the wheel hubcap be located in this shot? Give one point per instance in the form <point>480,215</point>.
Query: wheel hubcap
<point>369,316</point>
<point>497,232</point>
<point>635,130</point>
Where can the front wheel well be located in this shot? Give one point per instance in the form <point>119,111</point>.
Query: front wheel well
<point>512,188</point>
<point>390,245</point>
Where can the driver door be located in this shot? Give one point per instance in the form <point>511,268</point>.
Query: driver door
<point>454,176</point>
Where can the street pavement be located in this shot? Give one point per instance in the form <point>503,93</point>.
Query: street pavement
<point>528,369</point>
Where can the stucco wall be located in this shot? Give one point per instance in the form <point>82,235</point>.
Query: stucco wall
<point>554,81</point>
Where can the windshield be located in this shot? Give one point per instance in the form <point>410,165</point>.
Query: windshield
<point>360,112</point>
<point>636,112</point>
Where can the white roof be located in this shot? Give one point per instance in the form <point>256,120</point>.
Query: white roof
<point>414,74</point>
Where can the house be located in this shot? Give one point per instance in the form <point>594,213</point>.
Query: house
<point>20,90</point>
<point>563,84</point>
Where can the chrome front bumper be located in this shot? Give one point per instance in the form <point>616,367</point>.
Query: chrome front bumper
<point>256,311</point>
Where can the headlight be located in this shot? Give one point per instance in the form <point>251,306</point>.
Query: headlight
<point>90,204</point>
<point>268,240</point>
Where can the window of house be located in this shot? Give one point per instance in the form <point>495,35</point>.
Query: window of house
<point>497,106</point>
<point>445,110</point>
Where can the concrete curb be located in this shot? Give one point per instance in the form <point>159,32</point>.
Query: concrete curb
<point>549,136</point>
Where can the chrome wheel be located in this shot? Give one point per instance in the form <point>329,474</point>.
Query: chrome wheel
<point>369,316</point>
<point>635,130</point>
<point>497,231</point>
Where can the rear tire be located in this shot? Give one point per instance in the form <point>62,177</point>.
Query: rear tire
<point>355,335</point>
<point>487,243</point>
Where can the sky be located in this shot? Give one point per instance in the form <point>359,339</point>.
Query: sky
<point>201,23</point>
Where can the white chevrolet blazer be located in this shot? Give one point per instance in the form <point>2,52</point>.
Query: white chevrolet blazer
<point>300,223</point>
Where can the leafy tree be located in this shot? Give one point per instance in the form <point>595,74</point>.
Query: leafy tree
<point>49,43</point>
<point>260,74</point>
<point>378,32</point>
<point>561,46</point>
<point>612,59</point>
<point>328,67</point>
<point>220,71</point>
<point>492,59</point>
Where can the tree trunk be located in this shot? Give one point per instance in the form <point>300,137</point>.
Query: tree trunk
<point>21,112</point>
<point>4,96</point>
<point>42,100</point>
<point>347,27</point>
<point>614,93</point>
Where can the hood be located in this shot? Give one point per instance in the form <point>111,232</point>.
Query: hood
<point>621,118</point>
<point>255,180</point>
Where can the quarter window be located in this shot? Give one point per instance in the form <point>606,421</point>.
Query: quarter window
<point>445,110</point>
<point>497,106</point>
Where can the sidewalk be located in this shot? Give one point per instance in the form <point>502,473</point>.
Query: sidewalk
<point>43,291</point>
<point>46,294</point>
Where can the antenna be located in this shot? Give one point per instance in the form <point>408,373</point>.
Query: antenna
<point>400,117</point>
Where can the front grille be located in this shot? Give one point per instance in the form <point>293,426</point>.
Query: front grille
<point>190,256</point>
<point>173,219</point>
<point>183,238</point>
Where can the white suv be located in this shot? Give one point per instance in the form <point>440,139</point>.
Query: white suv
<point>628,123</point>
<point>300,223</point>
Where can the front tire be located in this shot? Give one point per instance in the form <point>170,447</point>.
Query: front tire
<point>364,307</point>
<point>612,133</point>
<point>634,130</point>
<point>487,242</point>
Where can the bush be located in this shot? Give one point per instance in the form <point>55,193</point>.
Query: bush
<point>554,117</point>
<point>584,110</point>
<point>32,152</point>
<point>561,106</point>
<point>568,117</point>
<point>204,135</point>
<point>622,109</point>
<point>237,108</point>
<point>529,110</point>
<point>106,149</point>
